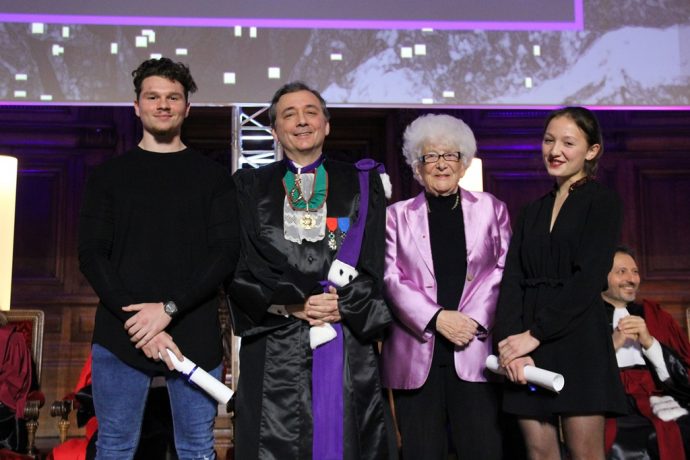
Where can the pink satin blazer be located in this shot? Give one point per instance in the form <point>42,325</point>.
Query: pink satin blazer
<point>410,286</point>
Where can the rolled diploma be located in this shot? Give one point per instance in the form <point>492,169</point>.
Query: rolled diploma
<point>340,274</point>
<point>216,389</point>
<point>534,375</point>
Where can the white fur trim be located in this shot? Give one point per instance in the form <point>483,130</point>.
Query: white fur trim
<point>387,186</point>
<point>666,407</point>
<point>318,335</point>
<point>341,273</point>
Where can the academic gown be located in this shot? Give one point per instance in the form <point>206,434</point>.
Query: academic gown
<point>15,384</point>
<point>552,286</point>
<point>670,439</point>
<point>15,369</point>
<point>273,400</point>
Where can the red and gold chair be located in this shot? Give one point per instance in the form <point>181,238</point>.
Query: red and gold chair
<point>30,323</point>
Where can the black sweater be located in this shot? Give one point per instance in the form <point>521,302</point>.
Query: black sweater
<point>449,253</point>
<point>157,227</point>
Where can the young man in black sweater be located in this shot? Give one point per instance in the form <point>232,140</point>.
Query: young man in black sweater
<point>157,236</point>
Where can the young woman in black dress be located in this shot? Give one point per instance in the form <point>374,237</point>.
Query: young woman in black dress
<point>550,312</point>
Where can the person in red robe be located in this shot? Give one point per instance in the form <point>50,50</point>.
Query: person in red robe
<point>653,355</point>
<point>78,448</point>
<point>15,383</point>
<point>156,441</point>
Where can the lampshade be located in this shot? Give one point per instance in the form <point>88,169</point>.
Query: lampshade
<point>473,180</point>
<point>8,194</point>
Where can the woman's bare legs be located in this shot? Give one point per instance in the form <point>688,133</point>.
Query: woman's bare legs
<point>541,439</point>
<point>584,436</point>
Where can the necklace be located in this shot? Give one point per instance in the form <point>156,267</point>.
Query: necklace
<point>293,190</point>
<point>297,199</point>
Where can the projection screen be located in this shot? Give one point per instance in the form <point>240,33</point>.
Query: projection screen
<point>454,53</point>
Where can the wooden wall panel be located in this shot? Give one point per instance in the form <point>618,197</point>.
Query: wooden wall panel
<point>40,222</point>
<point>665,220</point>
<point>517,188</point>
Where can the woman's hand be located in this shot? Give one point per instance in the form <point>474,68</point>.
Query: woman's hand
<point>516,346</point>
<point>457,327</point>
<point>515,371</point>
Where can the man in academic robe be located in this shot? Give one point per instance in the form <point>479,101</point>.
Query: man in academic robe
<point>313,238</point>
<point>653,355</point>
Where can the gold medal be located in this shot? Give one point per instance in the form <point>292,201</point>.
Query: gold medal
<point>307,222</point>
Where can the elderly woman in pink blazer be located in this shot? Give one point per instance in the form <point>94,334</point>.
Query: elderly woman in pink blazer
<point>445,251</point>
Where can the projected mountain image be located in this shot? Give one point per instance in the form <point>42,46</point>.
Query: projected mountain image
<point>630,66</point>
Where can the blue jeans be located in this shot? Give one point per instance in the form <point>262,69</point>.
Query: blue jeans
<point>119,394</point>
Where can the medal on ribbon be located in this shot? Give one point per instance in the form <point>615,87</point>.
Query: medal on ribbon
<point>307,222</point>
<point>301,201</point>
<point>344,226</point>
<point>332,226</point>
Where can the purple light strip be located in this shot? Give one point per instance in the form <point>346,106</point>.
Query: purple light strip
<point>577,24</point>
<point>402,105</point>
<point>579,7</point>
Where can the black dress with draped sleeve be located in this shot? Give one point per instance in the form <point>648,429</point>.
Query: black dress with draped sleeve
<point>552,286</point>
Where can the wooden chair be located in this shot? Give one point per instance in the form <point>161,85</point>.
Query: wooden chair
<point>31,323</point>
<point>63,407</point>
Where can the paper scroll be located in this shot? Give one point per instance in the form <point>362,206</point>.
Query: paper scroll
<point>216,389</point>
<point>534,375</point>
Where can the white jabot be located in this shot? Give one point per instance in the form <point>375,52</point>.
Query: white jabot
<point>292,230</point>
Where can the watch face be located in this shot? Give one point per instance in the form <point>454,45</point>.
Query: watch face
<point>170,308</point>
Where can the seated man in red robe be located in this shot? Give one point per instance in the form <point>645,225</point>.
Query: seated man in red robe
<point>653,355</point>
<point>15,383</point>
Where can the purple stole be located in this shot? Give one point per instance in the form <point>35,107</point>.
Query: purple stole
<point>328,359</point>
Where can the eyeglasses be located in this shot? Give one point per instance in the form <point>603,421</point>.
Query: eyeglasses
<point>433,157</point>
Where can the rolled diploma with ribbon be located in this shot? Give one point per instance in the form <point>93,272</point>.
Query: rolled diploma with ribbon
<point>534,375</point>
<point>216,389</point>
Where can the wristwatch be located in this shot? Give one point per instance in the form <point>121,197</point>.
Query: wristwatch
<point>170,308</point>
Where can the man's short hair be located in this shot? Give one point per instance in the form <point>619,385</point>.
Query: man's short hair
<point>624,249</point>
<point>166,68</point>
<point>294,87</point>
